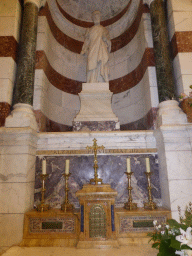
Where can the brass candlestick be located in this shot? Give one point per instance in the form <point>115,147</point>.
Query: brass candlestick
<point>130,205</point>
<point>66,206</point>
<point>95,147</point>
<point>150,205</point>
<point>42,206</point>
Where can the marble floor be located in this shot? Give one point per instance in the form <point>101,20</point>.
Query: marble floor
<point>140,250</point>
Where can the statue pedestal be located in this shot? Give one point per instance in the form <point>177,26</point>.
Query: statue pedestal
<point>97,229</point>
<point>96,113</point>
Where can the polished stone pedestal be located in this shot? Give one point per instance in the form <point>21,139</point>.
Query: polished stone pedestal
<point>96,113</point>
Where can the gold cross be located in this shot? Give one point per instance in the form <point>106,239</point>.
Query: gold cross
<point>95,147</point>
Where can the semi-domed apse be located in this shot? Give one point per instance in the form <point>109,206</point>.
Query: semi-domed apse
<point>61,69</point>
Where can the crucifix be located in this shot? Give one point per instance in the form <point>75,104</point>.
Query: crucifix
<point>95,147</point>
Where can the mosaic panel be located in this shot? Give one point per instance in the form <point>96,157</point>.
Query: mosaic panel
<point>47,225</point>
<point>139,223</point>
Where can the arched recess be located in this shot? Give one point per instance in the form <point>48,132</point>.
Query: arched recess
<point>60,70</point>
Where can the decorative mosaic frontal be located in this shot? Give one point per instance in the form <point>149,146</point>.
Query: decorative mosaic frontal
<point>111,170</point>
<point>47,225</point>
<point>139,223</point>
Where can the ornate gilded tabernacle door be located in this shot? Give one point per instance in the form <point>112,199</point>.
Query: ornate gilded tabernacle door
<point>97,222</point>
<point>97,216</point>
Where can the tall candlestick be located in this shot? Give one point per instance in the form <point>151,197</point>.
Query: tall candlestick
<point>147,164</point>
<point>67,167</point>
<point>128,165</point>
<point>44,166</point>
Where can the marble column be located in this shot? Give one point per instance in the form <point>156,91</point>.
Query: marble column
<point>22,114</point>
<point>165,78</point>
<point>18,140</point>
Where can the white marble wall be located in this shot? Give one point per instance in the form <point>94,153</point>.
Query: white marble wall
<point>173,137</point>
<point>180,20</point>
<point>129,106</point>
<point>73,66</point>
<point>175,155</point>
<point>77,32</point>
<point>10,12</point>
<point>17,178</point>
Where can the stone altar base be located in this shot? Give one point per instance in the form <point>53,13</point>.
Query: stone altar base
<point>96,113</point>
<point>55,228</point>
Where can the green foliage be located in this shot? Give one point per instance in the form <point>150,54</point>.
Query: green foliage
<point>187,218</point>
<point>164,235</point>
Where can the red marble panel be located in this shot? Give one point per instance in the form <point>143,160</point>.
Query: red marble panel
<point>145,123</point>
<point>8,47</point>
<point>4,112</point>
<point>87,24</point>
<point>181,42</point>
<point>76,46</point>
<point>116,86</point>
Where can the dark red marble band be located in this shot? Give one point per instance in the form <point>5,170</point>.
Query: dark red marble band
<point>87,24</point>
<point>122,40</point>
<point>66,41</point>
<point>181,42</point>
<point>116,86</point>
<point>132,79</point>
<point>4,112</point>
<point>8,47</point>
<point>61,82</point>
<point>76,46</point>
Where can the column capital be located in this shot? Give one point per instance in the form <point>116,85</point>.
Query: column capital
<point>38,3</point>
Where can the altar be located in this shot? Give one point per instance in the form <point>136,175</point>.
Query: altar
<point>98,218</point>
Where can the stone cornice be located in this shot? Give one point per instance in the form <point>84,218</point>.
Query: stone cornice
<point>38,3</point>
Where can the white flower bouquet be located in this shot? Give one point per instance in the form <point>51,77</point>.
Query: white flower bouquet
<point>174,238</point>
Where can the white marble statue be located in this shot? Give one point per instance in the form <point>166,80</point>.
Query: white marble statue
<point>97,46</point>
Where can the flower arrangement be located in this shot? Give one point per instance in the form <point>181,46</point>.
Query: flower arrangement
<point>174,238</point>
<point>184,96</point>
<point>186,104</point>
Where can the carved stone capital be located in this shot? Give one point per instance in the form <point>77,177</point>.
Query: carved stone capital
<point>38,3</point>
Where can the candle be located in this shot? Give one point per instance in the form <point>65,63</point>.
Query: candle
<point>44,166</point>
<point>128,165</point>
<point>147,164</point>
<point>67,167</point>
